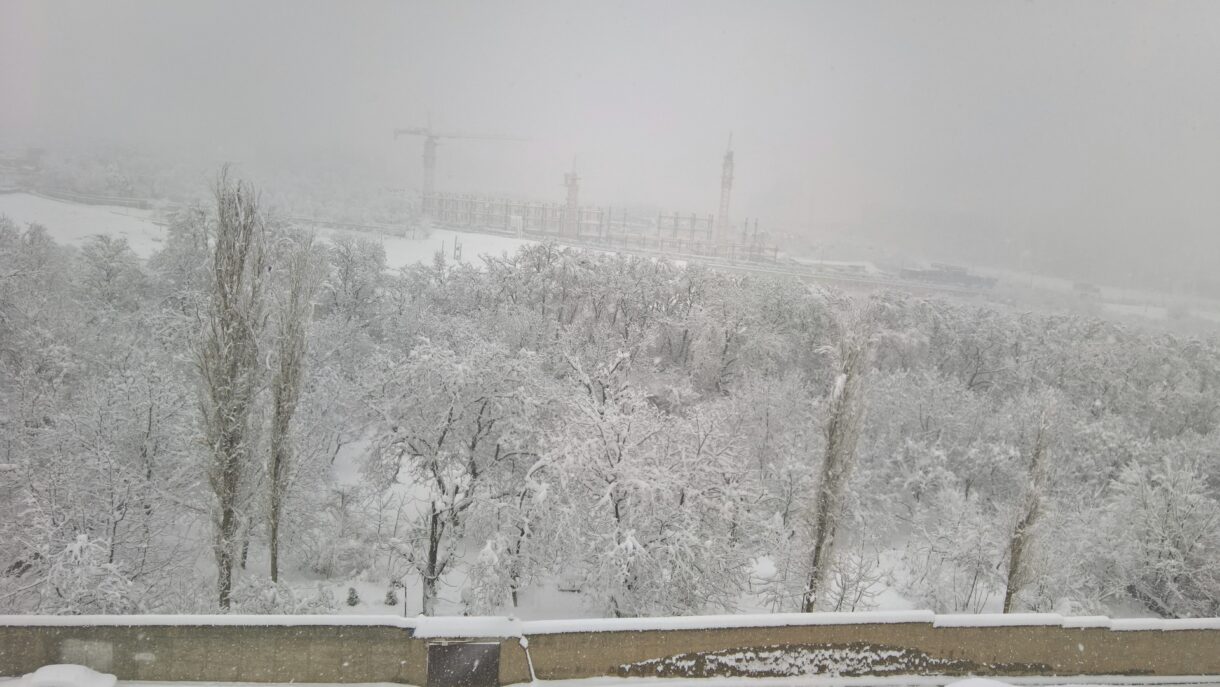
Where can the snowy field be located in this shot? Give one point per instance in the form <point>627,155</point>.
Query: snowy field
<point>73,223</point>
<point>400,252</point>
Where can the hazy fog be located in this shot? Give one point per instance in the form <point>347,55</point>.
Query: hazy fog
<point>1056,134</point>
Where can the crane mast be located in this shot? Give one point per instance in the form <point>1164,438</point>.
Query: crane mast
<point>431,140</point>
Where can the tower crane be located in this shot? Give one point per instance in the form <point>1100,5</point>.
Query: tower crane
<point>431,139</point>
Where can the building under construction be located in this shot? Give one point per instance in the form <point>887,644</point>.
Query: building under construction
<point>687,234</point>
<point>704,235</point>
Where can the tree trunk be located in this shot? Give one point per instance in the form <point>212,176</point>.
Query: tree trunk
<point>842,433</point>
<point>1016,548</point>
<point>1033,510</point>
<point>286,387</point>
<point>278,462</point>
<point>275,552</point>
<point>245,547</point>
<point>224,545</point>
<point>432,565</point>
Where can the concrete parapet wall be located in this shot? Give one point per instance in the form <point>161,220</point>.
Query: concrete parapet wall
<point>221,653</point>
<point>1029,650</point>
<point>345,649</point>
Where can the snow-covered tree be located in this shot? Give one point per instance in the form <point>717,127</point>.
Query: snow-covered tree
<point>651,509</point>
<point>1162,523</point>
<point>293,309</point>
<point>82,579</point>
<point>228,361</point>
<point>844,418</point>
<point>453,424</point>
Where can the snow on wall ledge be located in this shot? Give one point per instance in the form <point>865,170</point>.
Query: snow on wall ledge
<point>497,626</point>
<point>201,620</point>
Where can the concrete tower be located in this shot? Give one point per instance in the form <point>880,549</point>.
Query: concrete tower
<point>723,226</point>
<point>571,215</point>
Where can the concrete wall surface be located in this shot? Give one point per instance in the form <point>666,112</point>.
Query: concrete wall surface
<point>897,649</point>
<point>221,653</point>
<point>345,649</point>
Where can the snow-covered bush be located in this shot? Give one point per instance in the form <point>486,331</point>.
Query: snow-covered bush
<point>1163,529</point>
<point>259,595</point>
<point>338,544</point>
<point>81,580</point>
<point>489,581</point>
<point>951,561</point>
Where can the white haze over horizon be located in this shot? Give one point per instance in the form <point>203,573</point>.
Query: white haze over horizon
<point>1079,137</point>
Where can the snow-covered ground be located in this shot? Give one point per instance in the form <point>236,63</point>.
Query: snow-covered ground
<point>1152,312</point>
<point>1124,303</point>
<point>73,223</point>
<point>401,251</point>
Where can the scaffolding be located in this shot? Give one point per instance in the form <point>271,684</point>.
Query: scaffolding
<point>602,227</point>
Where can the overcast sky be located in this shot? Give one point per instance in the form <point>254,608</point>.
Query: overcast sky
<point>1094,124</point>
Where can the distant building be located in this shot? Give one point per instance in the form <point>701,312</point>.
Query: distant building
<point>949,269</point>
<point>947,275</point>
